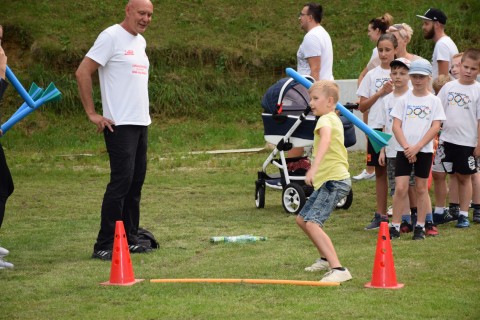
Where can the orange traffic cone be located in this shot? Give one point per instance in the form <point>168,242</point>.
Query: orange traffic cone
<point>121,272</point>
<point>383,275</point>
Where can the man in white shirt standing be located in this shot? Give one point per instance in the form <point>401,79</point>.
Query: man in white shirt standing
<point>122,63</point>
<point>315,54</point>
<point>434,21</point>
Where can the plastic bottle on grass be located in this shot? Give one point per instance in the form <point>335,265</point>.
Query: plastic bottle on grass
<point>240,239</point>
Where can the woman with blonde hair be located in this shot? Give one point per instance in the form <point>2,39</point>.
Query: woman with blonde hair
<point>403,32</point>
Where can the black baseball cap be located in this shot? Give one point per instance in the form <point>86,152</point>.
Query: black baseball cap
<point>403,62</point>
<point>434,14</point>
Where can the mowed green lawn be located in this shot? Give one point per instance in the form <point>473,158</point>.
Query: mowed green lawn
<point>53,218</point>
<point>211,62</point>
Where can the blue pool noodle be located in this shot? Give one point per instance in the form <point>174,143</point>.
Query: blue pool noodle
<point>374,136</point>
<point>18,86</point>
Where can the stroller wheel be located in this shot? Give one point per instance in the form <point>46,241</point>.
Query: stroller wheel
<point>293,198</point>
<point>346,202</point>
<point>260,195</point>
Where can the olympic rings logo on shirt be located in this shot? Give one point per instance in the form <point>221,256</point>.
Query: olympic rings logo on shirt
<point>389,117</point>
<point>418,111</point>
<point>458,99</point>
<point>380,82</point>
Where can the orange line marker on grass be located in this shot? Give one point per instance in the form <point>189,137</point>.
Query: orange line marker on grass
<point>250,281</point>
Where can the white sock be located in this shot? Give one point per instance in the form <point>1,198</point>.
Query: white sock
<point>463,213</point>
<point>438,210</point>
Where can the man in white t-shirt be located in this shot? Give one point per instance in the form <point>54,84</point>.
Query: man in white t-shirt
<point>434,21</point>
<point>122,63</point>
<point>315,54</point>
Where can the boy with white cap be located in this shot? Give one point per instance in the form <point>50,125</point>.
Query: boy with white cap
<point>400,79</point>
<point>415,124</point>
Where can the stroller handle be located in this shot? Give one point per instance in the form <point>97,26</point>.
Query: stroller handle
<point>351,106</point>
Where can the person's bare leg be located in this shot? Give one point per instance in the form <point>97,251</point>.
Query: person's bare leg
<point>453,189</point>
<point>423,199</point>
<point>400,199</point>
<point>464,191</point>
<point>440,188</point>
<point>381,188</point>
<point>323,244</point>
<point>303,225</point>
<point>476,188</point>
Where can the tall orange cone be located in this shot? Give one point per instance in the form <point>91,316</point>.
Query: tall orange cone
<point>383,275</point>
<point>121,272</point>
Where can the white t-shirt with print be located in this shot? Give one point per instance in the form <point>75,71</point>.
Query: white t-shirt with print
<point>417,115</point>
<point>389,102</point>
<point>461,104</point>
<point>444,50</point>
<point>316,43</point>
<point>123,75</point>
<point>371,83</point>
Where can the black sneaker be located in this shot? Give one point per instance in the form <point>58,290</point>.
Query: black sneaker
<point>454,211</point>
<point>406,227</point>
<point>441,218</point>
<point>136,248</point>
<point>105,255</point>
<point>413,218</point>
<point>418,233</point>
<point>375,223</point>
<point>394,233</point>
<point>462,222</point>
<point>476,215</point>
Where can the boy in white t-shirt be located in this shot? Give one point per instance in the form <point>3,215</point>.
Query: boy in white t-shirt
<point>400,78</point>
<point>415,124</point>
<point>461,131</point>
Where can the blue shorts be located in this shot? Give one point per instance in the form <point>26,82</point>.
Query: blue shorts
<point>323,201</point>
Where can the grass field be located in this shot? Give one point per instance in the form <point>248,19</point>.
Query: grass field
<point>53,217</point>
<point>211,62</point>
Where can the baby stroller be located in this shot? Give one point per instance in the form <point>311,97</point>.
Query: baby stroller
<point>288,123</point>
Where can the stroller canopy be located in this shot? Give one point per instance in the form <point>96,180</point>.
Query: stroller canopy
<point>286,96</point>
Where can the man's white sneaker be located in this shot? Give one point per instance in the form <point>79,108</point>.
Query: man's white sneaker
<point>3,252</point>
<point>364,175</point>
<point>5,264</point>
<point>319,265</point>
<point>335,275</point>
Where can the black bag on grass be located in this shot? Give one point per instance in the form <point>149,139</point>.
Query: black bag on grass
<point>147,239</point>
